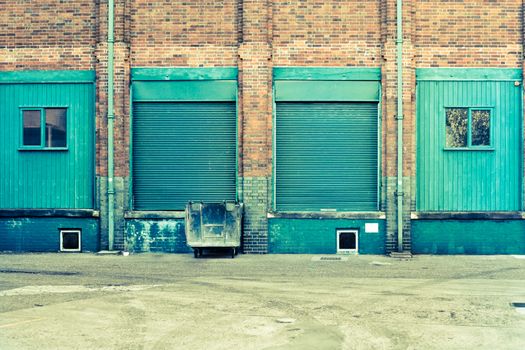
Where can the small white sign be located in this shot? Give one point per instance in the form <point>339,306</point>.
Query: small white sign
<point>372,227</point>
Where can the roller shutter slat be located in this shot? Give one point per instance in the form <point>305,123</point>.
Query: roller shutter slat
<point>182,152</point>
<point>326,156</point>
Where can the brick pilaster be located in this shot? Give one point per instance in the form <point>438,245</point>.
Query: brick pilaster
<point>390,142</point>
<point>121,121</point>
<point>255,85</point>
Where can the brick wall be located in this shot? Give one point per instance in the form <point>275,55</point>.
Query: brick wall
<point>51,34</point>
<point>473,33</point>
<point>255,36</point>
<point>184,33</point>
<point>326,33</point>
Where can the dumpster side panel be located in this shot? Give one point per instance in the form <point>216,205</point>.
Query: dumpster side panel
<point>193,224</point>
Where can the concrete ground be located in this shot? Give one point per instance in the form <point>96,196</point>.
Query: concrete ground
<point>154,301</point>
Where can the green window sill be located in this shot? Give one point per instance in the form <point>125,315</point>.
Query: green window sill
<point>469,149</point>
<point>364,215</point>
<point>60,149</point>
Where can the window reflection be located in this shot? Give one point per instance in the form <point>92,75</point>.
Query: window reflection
<point>32,134</point>
<point>56,128</point>
<point>480,128</point>
<point>457,127</point>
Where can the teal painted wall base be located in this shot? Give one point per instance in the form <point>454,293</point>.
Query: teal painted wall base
<point>318,236</point>
<point>468,237</point>
<point>42,234</point>
<point>161,235</point>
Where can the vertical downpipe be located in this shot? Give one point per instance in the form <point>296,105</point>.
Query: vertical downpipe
<point>111,117</point>
<point>399,191</point>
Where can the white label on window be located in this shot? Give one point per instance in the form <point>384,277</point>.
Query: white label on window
<point>371,227</point>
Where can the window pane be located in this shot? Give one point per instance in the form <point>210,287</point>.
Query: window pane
<point>31,128</point>
<point>457,127</point>
<point>480,128</point>
<point>56,128</point>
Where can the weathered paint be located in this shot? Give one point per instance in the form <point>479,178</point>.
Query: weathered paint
<point>42,234</point>
<point>362,91</point>
<point>163,235</point>
<point>467,179</point>
<point>471,74</point>
<point>184,84</point>
<point>157,91</point>
<point>318,236</point>
<point>211,73</point>
<point>468,236</point>
<point>47,178</point>
<point>47,76</point>
<point>326,73</point>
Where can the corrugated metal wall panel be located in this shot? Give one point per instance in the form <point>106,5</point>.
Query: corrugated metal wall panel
<point>468,180</point>
<point>47,179</point>
<point>183,152</point>
<point>326,156</point>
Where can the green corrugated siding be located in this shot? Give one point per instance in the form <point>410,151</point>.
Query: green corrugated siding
<point>326,156</point>
<point>467,180</point>
<point>183,152</point>
<point>47,179</point>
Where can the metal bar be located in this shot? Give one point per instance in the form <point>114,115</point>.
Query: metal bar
<point>130,180</point>
<point>111,117</point>
<point>237,197</point>
<point>274,149</point>
<point>379,148</point>
<point>399,59</point>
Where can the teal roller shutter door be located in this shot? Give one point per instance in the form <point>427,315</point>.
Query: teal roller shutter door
<point>183,152</point>
<point>326,156</point>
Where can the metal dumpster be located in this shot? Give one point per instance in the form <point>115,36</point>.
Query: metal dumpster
<point>213,225</point>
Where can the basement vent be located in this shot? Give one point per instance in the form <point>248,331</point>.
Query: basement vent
<point>335,258</point>
<point>330,258</point>
<point>347,241</point>
<point>70,240</point>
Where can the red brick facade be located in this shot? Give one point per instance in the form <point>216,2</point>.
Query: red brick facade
<point>48,34</point>
<point>255,36</point>
<point>468,33</point>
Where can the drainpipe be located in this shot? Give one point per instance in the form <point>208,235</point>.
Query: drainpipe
<point>399,190</point>
<point>111,117</point>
